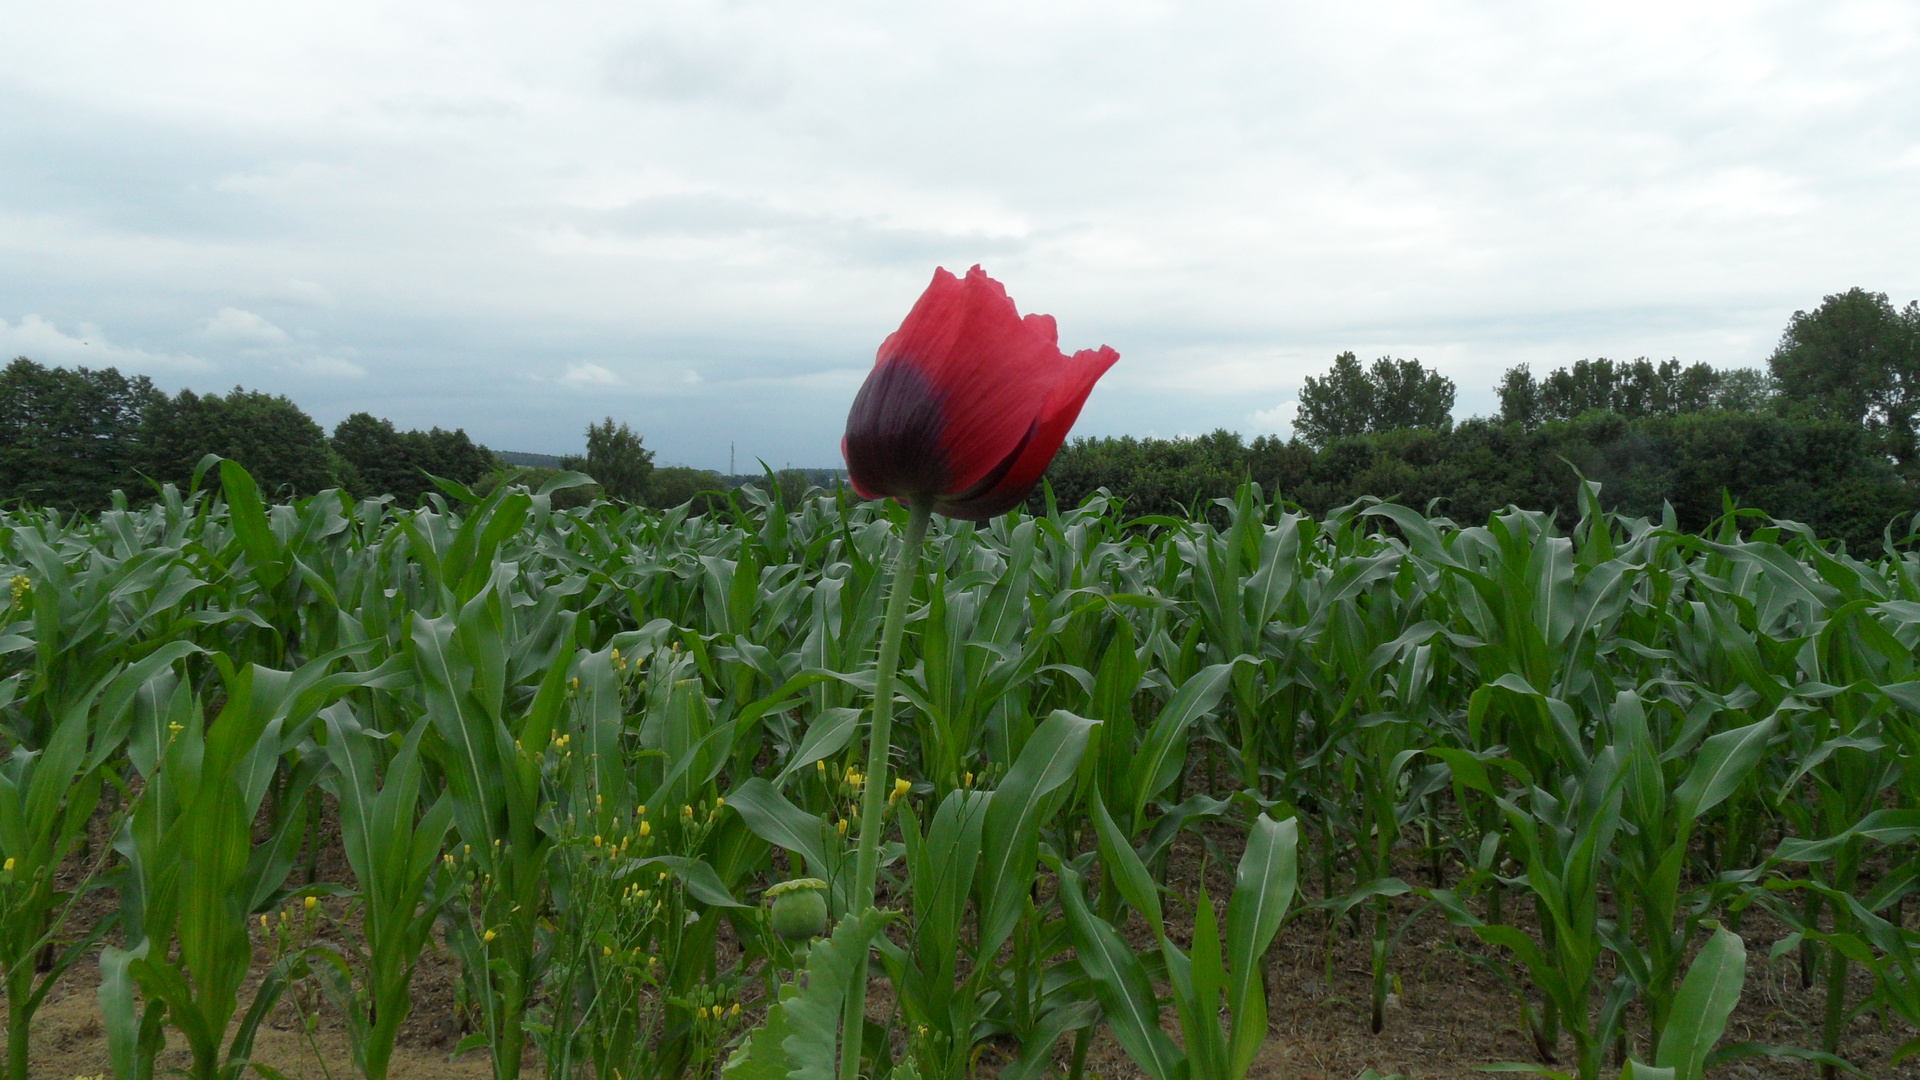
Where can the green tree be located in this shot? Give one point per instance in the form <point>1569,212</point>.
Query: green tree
<point>1389,396</point>
<point>616,460</point>
<point>379,459</point>
<point>1519,394</point>
<point>1856,357</point>
<point>1337,405</point>
<point>280,445</point>
<point>1633,389</point>
<point>1743,390</point>
<point>69,436</point>
<point>673,485</point>
<point>1406,396</point>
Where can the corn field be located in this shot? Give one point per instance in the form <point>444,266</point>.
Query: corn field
<point>612,760</point>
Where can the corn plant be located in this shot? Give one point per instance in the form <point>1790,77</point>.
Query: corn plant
<point>1263,888</point>
<point>196,875</point>
<point>1632,731</point>
<point>46,798</point>
<point>395,851</point>
<point>1699,1013</point>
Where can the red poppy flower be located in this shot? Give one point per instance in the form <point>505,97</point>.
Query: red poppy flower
<point>967,402</point>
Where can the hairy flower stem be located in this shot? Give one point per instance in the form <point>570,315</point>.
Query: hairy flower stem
<point>879,749</point>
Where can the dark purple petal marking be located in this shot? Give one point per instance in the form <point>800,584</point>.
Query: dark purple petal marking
<point>894,431</point>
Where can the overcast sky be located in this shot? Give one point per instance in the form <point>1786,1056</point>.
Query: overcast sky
<point>703,218</point>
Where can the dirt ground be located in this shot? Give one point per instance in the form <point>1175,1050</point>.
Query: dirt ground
<point>1451,1017</point>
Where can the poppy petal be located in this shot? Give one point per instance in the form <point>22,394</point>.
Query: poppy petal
<point>987,364</point>
<point>1016,476</point>
<point>967,402</point>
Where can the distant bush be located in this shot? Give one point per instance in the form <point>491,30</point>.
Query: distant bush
<point>378,459</point>
<point>674,485</point>
<point>279,444</point>
<point>1825,472</point>
<point>68,436</point>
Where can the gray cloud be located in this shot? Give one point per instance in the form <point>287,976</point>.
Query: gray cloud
<point>703,217</point>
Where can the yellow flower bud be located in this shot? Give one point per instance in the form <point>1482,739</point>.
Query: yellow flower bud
<point>488,936</point>
<point>310,902</point>
<point>596,839</point>
<point>646,827</point>
<point>736,1009</point>
<point>900,789</point>
<point>8,868</point>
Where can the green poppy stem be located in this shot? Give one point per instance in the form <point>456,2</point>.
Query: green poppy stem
<point>878,786</point>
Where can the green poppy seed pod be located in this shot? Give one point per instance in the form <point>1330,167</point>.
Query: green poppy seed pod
<point>799,909</point>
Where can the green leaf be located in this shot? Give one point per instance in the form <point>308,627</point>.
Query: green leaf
<point>1120,982</point>
<point>1881,826</point>
<point>827,735</point>
<point>699,878</point>
<point>1263,887</point>
<point>248,515</point>
<point>1036,1051</point>
<point>1124,870</point>
<point>1720,766</point>
<point>814,1013</point>
<point>763,1055</point>
<point>118,1007</point>
<point>1011,836</point>
<point>1162,751</point>
<point>772,818</point>
<point>1207,976</point>
<point>1700,1009</point>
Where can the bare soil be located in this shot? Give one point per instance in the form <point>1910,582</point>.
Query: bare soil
<point>1451,1016</point>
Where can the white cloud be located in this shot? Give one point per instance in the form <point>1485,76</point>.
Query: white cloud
<point>1277,420</point>
<point>589,375</point>
<point>756,192</point>
<point>309,293</point>
<point>232,326</point>
<point>37,339</point>
<point>328,367</point>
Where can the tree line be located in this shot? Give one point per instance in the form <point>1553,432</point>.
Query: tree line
<point>1825,435</point>
<point>71,437</point>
